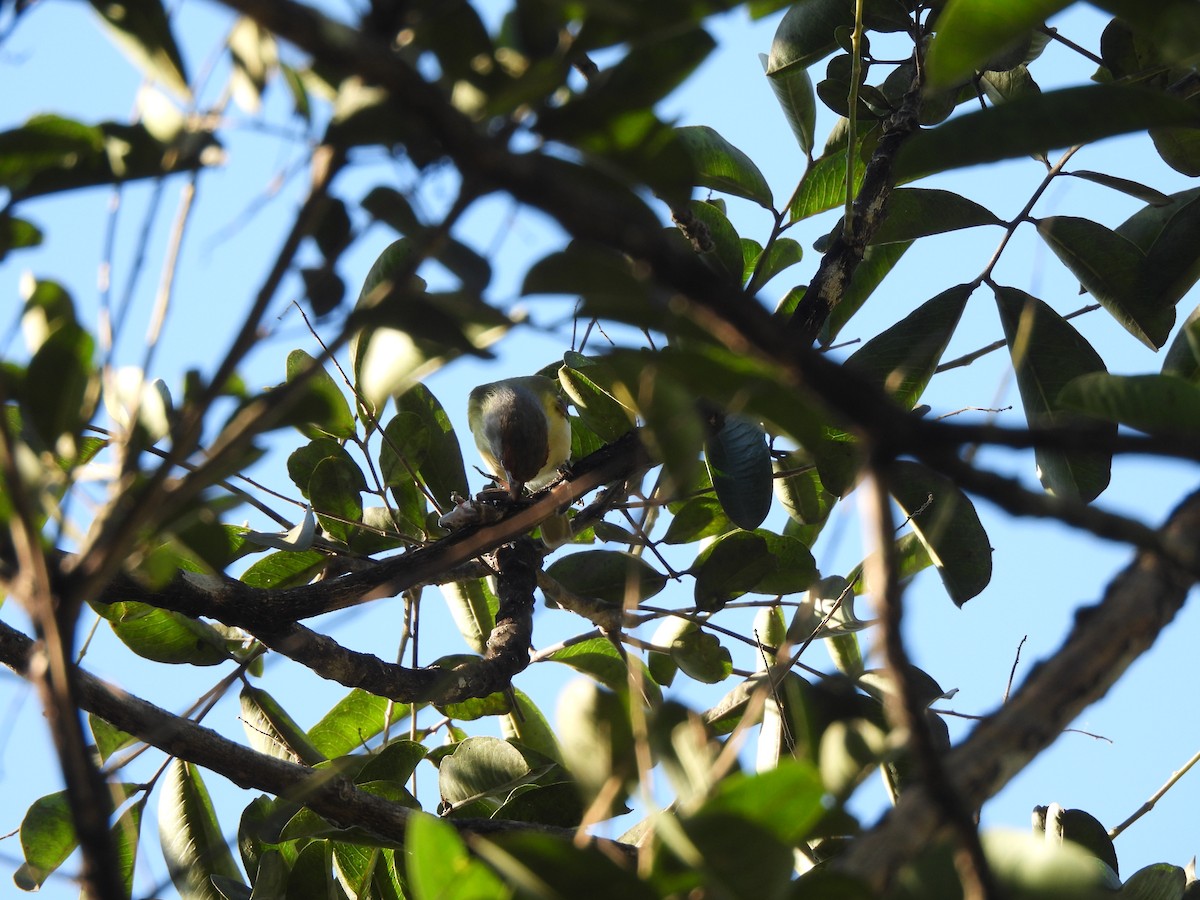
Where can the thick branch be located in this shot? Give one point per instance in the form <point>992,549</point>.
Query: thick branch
<point>1104,642</point>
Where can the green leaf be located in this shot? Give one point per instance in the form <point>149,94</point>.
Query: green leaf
<point>481,768</point>
<point>787,801</point>
<point>795,569</point>
<point>794,91</point>
<point>285,569</point>
<point>1048,353</point>
<point>917,212</point>
<point>823,185</point>
<point>403,448</point>
<point>1079,827</point>
<point>143,31</point>
<point>353,721</point>
<point>806,34</point>
<point>1113,270</point>
<point>108,737</point>
<point>473,607</point>
<point>1183,356</point>
<point>17,234</point>
<point>164,636</point>
<point>723,167</point>
<point>800,491</point>
<point>699,517</point>
<point>442,469</point>
<point>712,234</point>
<point>596,737</point>
<point>970,33</point>
<point>609,575</point>
<point>334,489</point>
<point>1032,124</point>
<point>47,839</point>
<point>599,659</point>
<point>1124,185</point>
<point>61,385</point>
<point>698,653</point>
<point>303,462</point>
<point>1157,404</point>
<point>439,866</point>
<point>48,835</point>
<point>322,402</point>
<point>1160,881</point>
<point>903,358</point>
<point>739,464</point>
<point>729,567</point>
<point>50,153</point>
<point>947,525</point>
<point>760,267</point>
<point>526,725</point>
<point>192,840</point>
<point>272,731</point>
<point>1168,235</point>
<point>588,384</point>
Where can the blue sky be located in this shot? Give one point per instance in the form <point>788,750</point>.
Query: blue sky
<point>1042,572</point>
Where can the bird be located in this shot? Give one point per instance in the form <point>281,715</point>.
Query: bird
<point>523,434</point>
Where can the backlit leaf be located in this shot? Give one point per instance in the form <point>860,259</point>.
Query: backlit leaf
<point>722,166</point>
<point>1047,353</point>
<point>947,524</point>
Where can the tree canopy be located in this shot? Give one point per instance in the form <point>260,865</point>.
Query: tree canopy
<point>742,380</point>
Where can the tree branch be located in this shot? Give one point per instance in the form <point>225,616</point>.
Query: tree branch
<point>1104,642</point>
<point>332,796</point>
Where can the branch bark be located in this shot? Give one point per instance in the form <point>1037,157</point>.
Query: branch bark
<point>1105,640</point>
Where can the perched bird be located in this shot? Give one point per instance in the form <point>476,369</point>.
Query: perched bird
<point>523,434</point>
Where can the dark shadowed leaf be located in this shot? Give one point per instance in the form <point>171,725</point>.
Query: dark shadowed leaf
<point>739,464</point>
<point>323,403</point>
<point>697,653</point>
<point>1048,353</point>
<point>947,525</point>
<point>698,518</point>
<point>794,91</point>
<point>805,34</point>
<point>334,489</point>
<point>723,167</point>
<point>1158,404</point>
<point>902,359</point>
<point>917,212</point>
<point>729,567</point>
<point>1183,356</point>
<point>17,234</point>
<point>1124,185</point>
<point>1036,123</point>
<point>144,33</point>
<point>1114,271</point>
<point>794,569</point>
<point>442,469</point>
<point>609,575</point>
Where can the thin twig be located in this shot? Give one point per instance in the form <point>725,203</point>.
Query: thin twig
<point>1156,796</point>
